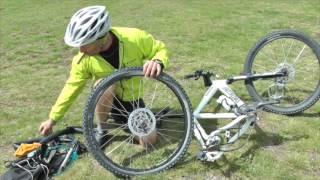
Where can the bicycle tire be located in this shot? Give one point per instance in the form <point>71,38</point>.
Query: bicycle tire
<point>309,49</point>
<point>109,162</point>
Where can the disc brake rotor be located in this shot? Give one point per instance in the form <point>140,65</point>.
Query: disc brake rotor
<point>141,122</point>
<point>289,70</point>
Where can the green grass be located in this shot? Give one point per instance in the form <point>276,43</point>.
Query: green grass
<point>213,35</point>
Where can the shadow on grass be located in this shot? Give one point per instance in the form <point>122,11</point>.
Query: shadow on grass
<point>262,139</point>
<point>228,167</point>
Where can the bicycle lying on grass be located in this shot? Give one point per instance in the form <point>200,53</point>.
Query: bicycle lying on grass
<point>281,74</point>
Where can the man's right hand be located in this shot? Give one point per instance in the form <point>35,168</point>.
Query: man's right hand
<point>45,127</point>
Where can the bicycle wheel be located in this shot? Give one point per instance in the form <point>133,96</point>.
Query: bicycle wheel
<point>296,55</point>
<point>165,113</point>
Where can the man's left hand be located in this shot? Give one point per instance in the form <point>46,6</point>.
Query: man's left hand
<point>152,69</point>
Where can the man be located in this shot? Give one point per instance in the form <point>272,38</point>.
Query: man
<point>102,50</point>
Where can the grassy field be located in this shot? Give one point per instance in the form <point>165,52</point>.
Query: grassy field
<point>212,35</point>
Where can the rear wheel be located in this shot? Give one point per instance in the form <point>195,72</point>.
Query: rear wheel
<point>164,113</point>
<point>295,54</point>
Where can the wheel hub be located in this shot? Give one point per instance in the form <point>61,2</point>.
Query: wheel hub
<point>276,91</point>
<point>288,70</point>
<point>141,122</point>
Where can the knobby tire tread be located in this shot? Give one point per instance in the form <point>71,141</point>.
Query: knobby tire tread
<point>90,139</point>
<point>252,53</point>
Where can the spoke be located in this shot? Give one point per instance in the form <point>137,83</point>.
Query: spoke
<point>301,71</point>
<point>266,89</point>
<point>154,149</point>
<point>277,60</point>
<point>147,141</point>
<point>112,123</point>
<point>131,141</point>
<point>125,110</point>
<point>285,58</point>
<point>261,66</point>
<point>118,128</point>
<point>170,121</point>
<point>115,108</point>
<point>291,99</point>
<point>304,71</point>
<point>139,94</point>
<point>174,115</point>
<point>169,130</point>
<point>162,110</point>
<point>266,83</point>
<point>146,150</point>
<point>274,57</point>
<point>304,87</point>
<point>113,136</point>
<point>153,96</point>
<point>268,57</point>
<point>299,55</point>
<point>163,136</point>
<point>283,51</point>
<point>130,137</point>
<point>109,113</point>
<point>132,94</point>
<point>161,116</point>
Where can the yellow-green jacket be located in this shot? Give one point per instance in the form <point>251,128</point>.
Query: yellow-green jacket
<point>134,46</point>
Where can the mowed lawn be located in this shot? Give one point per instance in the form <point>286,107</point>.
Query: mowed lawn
<point>213,35</point>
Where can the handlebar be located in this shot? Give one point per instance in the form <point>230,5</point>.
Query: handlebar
<point>188,76</point>
<point>197,74</point>
<point>200,73</point>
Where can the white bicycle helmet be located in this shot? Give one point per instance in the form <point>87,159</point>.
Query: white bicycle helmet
<point>87,25</point>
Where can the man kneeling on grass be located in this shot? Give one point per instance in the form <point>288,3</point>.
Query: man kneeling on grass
<point>102,50</point>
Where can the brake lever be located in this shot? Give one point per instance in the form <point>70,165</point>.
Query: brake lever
<point>196,75</point>
<point>200,73</point>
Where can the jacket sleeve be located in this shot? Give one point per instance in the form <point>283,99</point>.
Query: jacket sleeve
<point>72,88</point>
<point>153,49</point>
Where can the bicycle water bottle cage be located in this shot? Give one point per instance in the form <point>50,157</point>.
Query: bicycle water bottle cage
<point>200,73</point>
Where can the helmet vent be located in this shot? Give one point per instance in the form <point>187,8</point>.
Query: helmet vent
<point>92,35</point>
<point>76,33</point>
<point>85,21</point>
<point>93,24</point>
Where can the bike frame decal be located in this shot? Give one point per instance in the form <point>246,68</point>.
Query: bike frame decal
<point>221,86</point>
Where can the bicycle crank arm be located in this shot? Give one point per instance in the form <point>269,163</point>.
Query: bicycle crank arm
<point>209,156</point>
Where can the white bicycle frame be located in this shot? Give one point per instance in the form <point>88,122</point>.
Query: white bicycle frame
<point>204,138</point>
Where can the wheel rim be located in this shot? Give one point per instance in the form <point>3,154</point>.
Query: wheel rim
<point>125,154</point>
<point>297,60</point>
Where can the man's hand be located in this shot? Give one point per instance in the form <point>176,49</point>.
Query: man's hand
<point>45,127</point>
<point>152,69</point>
